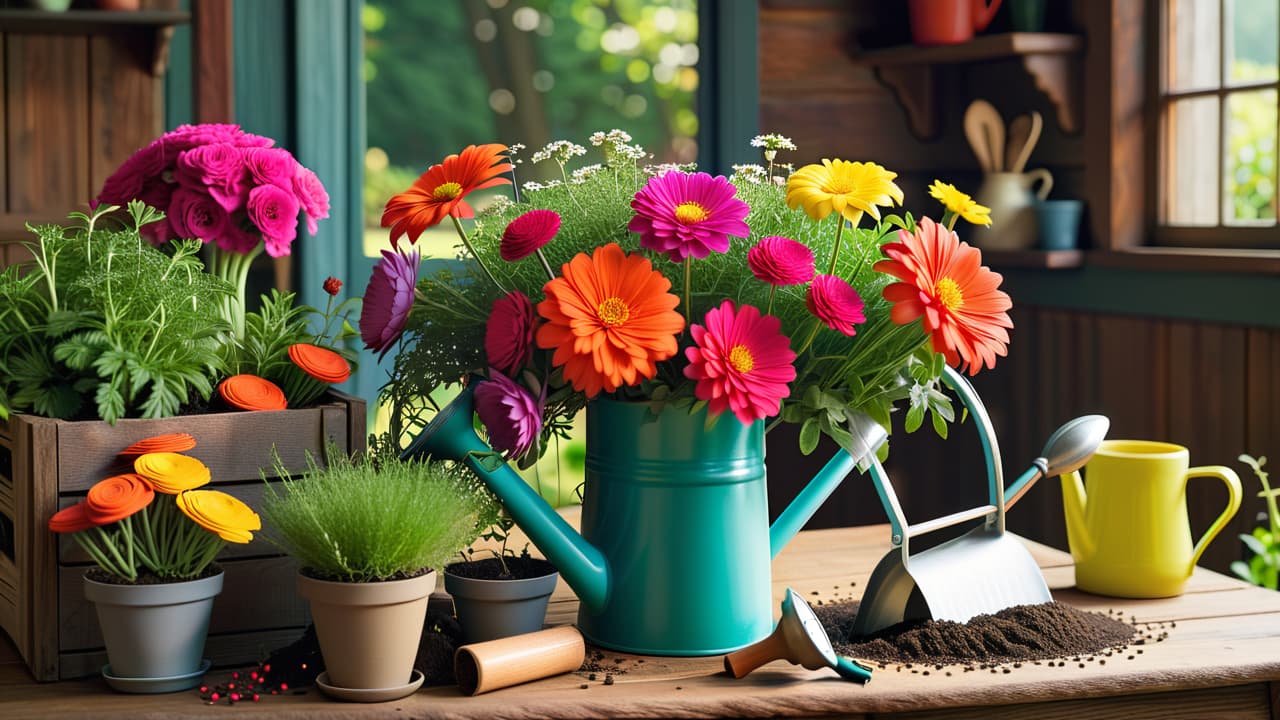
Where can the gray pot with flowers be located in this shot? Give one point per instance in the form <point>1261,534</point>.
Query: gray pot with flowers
<point>368,533</point>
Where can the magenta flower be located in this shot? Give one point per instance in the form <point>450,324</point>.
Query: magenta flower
<point>508,335</point>
<point>388,299</point>
<point>217,169</point>
<point>127,182</point>
<point>836,303</point>
<point>741,362</point>
<point>781,261</point>
<point>510,413</point>
<point>195,214</point>
<point>274,211</point>
<point>527,233</point>
<point>688,215</point>
<point>271,166</point>
<point>312,195</point>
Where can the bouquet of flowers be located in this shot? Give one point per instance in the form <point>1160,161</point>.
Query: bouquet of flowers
<point>770,298</point>
<point>155,520</point>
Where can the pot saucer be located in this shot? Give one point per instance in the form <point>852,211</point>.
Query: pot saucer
<point>170,684</point>
<point>369,695</point>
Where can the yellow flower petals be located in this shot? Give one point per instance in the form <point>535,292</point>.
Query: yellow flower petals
<point>849,188</point>
<point>171,473</point>
<point>219,513</point>
<point>960,203</point>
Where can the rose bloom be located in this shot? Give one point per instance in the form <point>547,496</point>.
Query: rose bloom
<point>216,169</point>
<point>781,261</point>
<point>508,334</point>
<point>196,215</point>
<point>274,211</point>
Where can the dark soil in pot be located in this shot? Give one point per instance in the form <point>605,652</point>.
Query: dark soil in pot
<point>517,568</point>
<point>146,577</point>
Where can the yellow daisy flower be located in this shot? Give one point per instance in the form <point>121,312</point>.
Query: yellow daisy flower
<point>171,473</point>
<point>849,188</point>
<point>960,204</point>
<point>219,513</point>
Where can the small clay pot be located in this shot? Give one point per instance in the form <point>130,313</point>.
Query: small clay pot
<point>126,5</point>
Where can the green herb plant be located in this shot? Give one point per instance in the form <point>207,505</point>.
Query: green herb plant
<point>101,315</point>
<point>1263,568</point>
<point>375,517</point>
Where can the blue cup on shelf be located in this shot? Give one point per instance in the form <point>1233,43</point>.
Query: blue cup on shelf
<point>1059,223</point>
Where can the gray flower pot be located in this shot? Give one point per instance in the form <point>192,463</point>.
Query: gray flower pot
<point>492,609</point>
<point>154,632</point>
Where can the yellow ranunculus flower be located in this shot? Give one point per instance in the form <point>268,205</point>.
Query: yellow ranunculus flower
<point>219,513</point>
<point>171,473</point>
<point>960,203</point>
<point>849,188</point>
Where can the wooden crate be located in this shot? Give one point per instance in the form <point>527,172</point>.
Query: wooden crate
<point>49,464</point>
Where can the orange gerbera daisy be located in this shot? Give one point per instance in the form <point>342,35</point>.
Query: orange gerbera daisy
<point>439,191</point>
<point>944,281</point>
<point>610,319</point>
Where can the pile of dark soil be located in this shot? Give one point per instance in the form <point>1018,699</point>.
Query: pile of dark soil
<point>1013,635</point>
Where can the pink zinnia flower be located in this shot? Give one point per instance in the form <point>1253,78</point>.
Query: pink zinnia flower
<point>836,303</point>
<point>741,361</point>
<point>685,215</point>
<point>781,261</point>
<point>527,233</point>
<point>217,169</point>
<point>194,214</point>
<point>510,413</point>
<point>312,195</point>
<point>388,299</point>
<point>274,211</point>
<point>508,335</point>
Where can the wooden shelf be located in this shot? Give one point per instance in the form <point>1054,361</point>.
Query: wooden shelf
<point>156,24</point>
<point>1035,259</point>
<point>909,71</point>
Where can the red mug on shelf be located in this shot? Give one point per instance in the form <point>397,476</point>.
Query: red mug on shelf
<point>946,22</point>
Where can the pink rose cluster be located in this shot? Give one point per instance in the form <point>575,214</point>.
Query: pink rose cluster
<point>221,185</point>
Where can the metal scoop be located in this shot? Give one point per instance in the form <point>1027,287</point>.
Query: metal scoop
<point>984,570</point>
<point>799,639</point>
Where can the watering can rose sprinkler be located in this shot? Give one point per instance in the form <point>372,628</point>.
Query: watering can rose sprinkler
<point>675,550</point>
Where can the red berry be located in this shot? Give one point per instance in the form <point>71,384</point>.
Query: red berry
<point>235,674</point>
<point>255,697</point>
<point>214,697</point>
<point>266,668</point>
<point>284,686</point>
<point>235,697</point>
<point>204,688</point>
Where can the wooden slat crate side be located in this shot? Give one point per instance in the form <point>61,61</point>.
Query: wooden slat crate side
<point>35,469</point>
<point>228,650</point>
<point>257,594</point>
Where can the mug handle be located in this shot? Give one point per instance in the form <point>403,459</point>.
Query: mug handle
<point>1046,181</point>
<point>1234,493</point>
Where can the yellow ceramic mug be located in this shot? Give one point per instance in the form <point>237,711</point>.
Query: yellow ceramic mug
<point>1129,535</point>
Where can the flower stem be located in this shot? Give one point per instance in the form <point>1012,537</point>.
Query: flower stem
<point>835,252</point>
<point>551,275</point>
<point>569,190</point>
<point>949,219</point>
<point>772,290</point>
<point>688,275</point>
<point>817,325</point>
<point>467,243</point>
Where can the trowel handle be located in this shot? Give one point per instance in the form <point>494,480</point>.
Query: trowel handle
<point>851,670</point>
<point>741,662</point>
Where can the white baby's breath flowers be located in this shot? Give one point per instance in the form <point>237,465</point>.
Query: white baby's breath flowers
<point>533,186</point>
<point>613,137</point>
<point>581,174</point>
<point>754,174</point>
<point>498,205</point>
<point>663,168</point>
<point>772,143</point>
<point>560,150</point>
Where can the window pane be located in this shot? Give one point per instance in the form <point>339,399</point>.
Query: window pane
<point>1192,159</point>
<point>1192,55</point>
<point>1250,161</point>
<point>1253,31</point>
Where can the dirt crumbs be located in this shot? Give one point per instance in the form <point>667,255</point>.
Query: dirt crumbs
<point>1026,633</point>
<point>599,667</point>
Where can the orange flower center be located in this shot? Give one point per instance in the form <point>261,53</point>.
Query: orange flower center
<point>949,294</point>
<point>613,312</point>
<point>447,191</point>
<point>740,358</point>
<point>691,213</point>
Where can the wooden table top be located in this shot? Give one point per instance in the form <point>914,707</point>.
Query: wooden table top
<point>1220,659</point>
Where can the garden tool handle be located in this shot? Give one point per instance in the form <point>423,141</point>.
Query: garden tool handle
<point>1234,493</point>
<point>987,437</point>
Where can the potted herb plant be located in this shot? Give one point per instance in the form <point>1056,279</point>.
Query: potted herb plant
<point>153,538</point>
<point>368,533</point>
<point>1263,568</point>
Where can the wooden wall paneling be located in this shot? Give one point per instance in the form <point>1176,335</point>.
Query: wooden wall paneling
<point>1207,413</point>
<point>126,110</point>
<point>1133,370</point>
<point>47,122</point>
<point>213,58</point>
<point>1262,433</point>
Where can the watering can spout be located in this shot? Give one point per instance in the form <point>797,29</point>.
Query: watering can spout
<point>1074,502</point>
<point>451,436</point>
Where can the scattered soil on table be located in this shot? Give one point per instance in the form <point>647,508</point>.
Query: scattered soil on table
<point>520,568</point>
<point>602,666</point>
<point>1013,635</point>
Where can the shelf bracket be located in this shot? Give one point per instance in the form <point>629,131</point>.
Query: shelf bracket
<point>913,88</point>
<point>1054,77</point>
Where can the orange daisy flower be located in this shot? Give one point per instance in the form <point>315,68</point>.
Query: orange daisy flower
<point>609,319</point>
<point>944,281</point>
<point>439,191</point>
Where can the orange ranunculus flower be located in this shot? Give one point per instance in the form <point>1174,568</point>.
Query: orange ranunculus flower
<point>169,442</point>
<point>71,519</point>
<point>250,392</point>
<point>221,514</point>
<point>439,191</point>
<point>320,363</point>
<point>171,473</point>
<point>116,498</point>
<point>610,319</point>
<point>944,281</point>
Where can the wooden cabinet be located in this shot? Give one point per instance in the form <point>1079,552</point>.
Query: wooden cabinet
<point>82,90</point>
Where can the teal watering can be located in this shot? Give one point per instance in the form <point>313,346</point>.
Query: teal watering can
<point>675,549</point>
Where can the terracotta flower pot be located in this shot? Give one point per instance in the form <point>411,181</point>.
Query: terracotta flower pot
<point>369,632</point>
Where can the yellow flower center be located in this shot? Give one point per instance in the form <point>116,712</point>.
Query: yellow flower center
<point>840,185</point>
<point>949,294</point>
<point>691,213</point>
<point>447,191</point>
<point>613,312</point>
<point>740,358</point>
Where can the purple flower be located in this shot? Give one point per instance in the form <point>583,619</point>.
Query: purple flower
<point>510,413</point>
<point>685,215</point>
<point>836,303</point>
<point>781,261</point>
<point>274,211</point>
<point>271,166</point>
<point>388,299</point>
<point>312,195</point>
<point>195,214</point>
<point>524,235</point>
<point>218,169</point>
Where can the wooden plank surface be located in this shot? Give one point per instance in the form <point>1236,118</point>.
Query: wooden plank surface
<point>126,106</point>
<point>1216,662</point>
